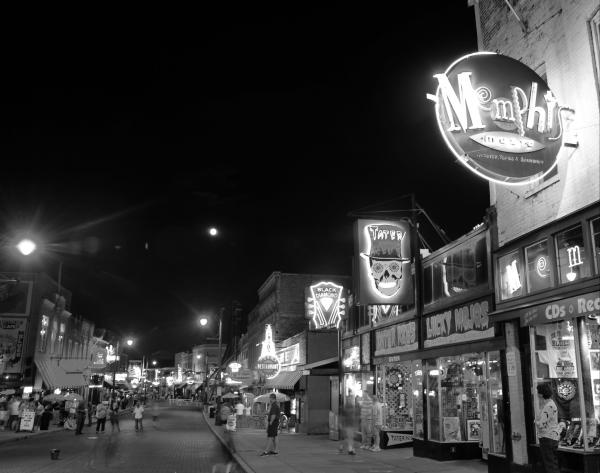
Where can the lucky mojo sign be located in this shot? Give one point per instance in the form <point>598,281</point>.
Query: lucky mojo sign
<point>499,118</point>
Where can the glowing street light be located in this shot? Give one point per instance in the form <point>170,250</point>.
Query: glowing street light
<point>129,342</point>
<point>26,247</point>
<point>212,231</point>
<point>204,322</point>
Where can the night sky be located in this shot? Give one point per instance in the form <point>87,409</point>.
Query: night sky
<point>271,124</point>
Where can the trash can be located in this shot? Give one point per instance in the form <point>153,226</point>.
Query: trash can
<point>54,454</point>
<point>211,411</point>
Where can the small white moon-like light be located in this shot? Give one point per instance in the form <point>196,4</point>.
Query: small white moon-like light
<point>26,247</point>
<point>212,231</point>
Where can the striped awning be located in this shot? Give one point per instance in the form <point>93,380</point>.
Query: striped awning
<point>284,380</point>
<point>55,376</point>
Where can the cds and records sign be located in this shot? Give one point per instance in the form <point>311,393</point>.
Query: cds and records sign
<point>499,118</point>
<point>384,262</point>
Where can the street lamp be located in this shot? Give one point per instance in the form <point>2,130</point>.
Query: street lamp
<point>26,247</point>
<point>203,323</point>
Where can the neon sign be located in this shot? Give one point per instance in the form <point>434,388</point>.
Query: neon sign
<point>499,118</point>
<point>325,305</point>
<point>384,250</point>
<point>268,363</point>
<point>574,254</point>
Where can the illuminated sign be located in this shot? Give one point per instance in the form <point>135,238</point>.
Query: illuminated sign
<point>325,305</point>
<point>268,363</point>
<point>397,338</point>
<point>499,118</point>
<point>351,358</point>
<point>384,257</point>
<point>289,357</point>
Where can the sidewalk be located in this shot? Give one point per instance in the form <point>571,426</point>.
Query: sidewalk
<point>11,436</point>
<point>303,453</point>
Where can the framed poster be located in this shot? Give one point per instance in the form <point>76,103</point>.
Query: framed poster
<point>473,429</point>
<point>451,429</point>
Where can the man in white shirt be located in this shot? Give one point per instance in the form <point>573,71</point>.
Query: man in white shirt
<point>378,424</point>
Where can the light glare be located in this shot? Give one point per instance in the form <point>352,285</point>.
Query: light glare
<point>26,247</point>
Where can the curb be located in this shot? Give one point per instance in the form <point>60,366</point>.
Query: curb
<point>29,435</point>
<point>239,460</point>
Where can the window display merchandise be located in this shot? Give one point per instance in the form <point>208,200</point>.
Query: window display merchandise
<point>567,356</point>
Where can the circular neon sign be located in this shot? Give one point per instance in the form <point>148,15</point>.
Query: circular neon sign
<point>499,118</point>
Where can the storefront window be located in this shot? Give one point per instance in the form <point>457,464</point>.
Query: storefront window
<point>510,268</point>
<point>495,408</point>
<point>417,395</point>
<point>573,263</point>
<point>455,388</point>
<point>590,380</point>
<point>539,270</point>
<point>596,242</point>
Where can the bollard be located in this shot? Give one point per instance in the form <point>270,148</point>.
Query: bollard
<point>54,454</point>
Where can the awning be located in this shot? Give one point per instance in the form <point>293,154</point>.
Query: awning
<point>55,376</point>
<point>284,380</point>
<point>317,364</point>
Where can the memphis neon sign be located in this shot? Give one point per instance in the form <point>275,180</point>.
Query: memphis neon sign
<point>499,118</point>
<point>325,305</point>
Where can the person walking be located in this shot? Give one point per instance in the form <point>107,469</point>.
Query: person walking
<point>101,413</point>
<point>347,428</point>
<point>114,415</point>
<point>154,411</point>
<point>138,415</point>
<point>81,413</point>
<point>272,427</point>
<point>548,428</point>
<point>13,413</point>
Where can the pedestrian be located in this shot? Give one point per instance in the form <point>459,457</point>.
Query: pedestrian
<point>90,411</point>
<point>366,420</point>
<point>154,411</point>
<point>272,427</point>
<point>138,415</point>
<point>13,413</point>
<point>347,428</point>
<point>114,415</point>
<point>101,413</point>
<point>81,414</point>
<point>239,410</point>
<point>378,416</point>
<point>548,428</point>
<point>39,410</point>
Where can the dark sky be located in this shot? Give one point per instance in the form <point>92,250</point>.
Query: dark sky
<point>271,124</point>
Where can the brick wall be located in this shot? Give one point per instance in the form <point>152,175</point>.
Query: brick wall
<point>556,41</point>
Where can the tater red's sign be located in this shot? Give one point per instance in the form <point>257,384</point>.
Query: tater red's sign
<point>499,118</point>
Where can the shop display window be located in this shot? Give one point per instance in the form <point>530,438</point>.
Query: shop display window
<point>539,267</point>
<point>461,269</point>
<point>510,268</point>
<point>455,388</point>
<point>573,262</point>
<point>596,242</point>
<point>567,357</point>
<point>494,411</point>
<point>400,385</point>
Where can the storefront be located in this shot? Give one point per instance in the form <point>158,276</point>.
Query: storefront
<point>399,383</point>
<point>462,384</point>
<point>548,294</point>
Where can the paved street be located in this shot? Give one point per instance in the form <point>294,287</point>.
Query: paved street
<point>179,443</point>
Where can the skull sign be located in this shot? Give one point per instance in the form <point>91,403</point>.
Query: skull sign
<point>385,257</point>
<point>386,275</point>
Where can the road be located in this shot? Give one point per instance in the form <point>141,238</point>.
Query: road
<point>180,442</point>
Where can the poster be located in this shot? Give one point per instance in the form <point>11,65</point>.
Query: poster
<point>12,337</point>
<point>451,426</point>
<point>473,429</point>
<point>27,420</point>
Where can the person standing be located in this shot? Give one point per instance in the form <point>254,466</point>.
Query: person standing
<point>548,428</point>
<point>154,411</point>
<point>39,410</point>
<point>366,420</point>
<point>272,427</point>
<point>80,413</point>
<point>101,412</point>
<point>114,415</point>
<point>347,428</point>
<point>13,413</point>
<point>378,416</point>
<point>138,415</point>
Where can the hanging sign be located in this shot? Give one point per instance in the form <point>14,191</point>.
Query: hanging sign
<point>499,118</point>
<point>268,363</point>
<point>325,305</point>
<point>396,338</point>
<point>384,262</point>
